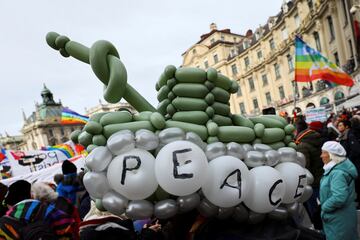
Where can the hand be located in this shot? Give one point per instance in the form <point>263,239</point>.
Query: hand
<point>155,227</point>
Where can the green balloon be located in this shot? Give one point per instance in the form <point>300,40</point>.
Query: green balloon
<point>212,74</point>
<point>170,71</point>
<point>157,120</point>
<point>99,205</point>
<point>75,135</point>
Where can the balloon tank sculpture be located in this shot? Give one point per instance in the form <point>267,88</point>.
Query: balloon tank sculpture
<point>189,152</point>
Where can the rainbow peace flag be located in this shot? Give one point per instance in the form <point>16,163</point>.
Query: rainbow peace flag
<point>70,117</point>
<point>310,65</point>
<point>67,149</point>
<point>64,148</point>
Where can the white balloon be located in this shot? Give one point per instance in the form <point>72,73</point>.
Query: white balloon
<point>236,150</point>
<point>267,189</point>
<point>194,138</point>
<point>146,139</point>
<point>169,135</point>
<point>96,184</point>
<point>121,142</point>
<point>272,157</point>
<point>132,174</point>
<point>98,159</point>
<point>287,154</point>
<point>227,181</point>
<point>309,176</point>
<point>247,147</point>
<point>261,147</point>
<point>301,159</point>
<point>254,159</point>
<point>295,180</point>
<point>180,168</point>
<point>214,150</point>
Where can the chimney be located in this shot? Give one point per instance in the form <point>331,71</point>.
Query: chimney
<point>213,27</point>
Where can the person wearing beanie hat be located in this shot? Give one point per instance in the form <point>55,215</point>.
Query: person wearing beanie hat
<point>68,167</point>
<point>17,192</point>
<point>337,193</point>
<point>316,126</point>
<point>69,186</point>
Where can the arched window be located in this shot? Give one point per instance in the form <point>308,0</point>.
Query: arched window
<point>310,105</point>
<point>324,101</point>
<point>339,95</point>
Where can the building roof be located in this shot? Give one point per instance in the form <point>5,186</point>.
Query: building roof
<point>227,31</point>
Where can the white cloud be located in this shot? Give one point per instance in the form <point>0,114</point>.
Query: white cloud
<point>148,35</point>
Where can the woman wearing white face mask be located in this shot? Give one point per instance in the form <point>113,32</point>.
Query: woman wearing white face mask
<point>337,193</point>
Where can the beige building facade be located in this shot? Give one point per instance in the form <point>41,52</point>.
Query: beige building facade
<point>263,61</point>
<point>43,127</point>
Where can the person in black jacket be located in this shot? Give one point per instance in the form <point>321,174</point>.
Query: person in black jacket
<point>350,140</point>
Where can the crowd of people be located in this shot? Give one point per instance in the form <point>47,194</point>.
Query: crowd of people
<point>65,210</point>
<point>332,152</point>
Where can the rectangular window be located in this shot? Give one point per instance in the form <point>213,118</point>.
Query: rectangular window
<point>290,62</point>
<point>62,132</point>
<point>216,59</point>
<point>284,33</point>
<point>232,52</point>
<point>222,38</point>
<point>259,54</point>
<point>277,71</point>
<point>264,79</point>
<point>212,41</point>
<point>206,64</point>
<point>272,44</point>
<point>317,41</point>
<point>268,98</point>
<point>242,108</point>
<point>245,44</point>
<point>297,20</point>
<point>51,133</point>
<point>234,69</point>
<point>239,93</point>
<point>345,11</point>
<point>281,92</point>
<point>251,84</point>
<point>331,28</point>
<point>247,62</point>
<point>256,104</point>
<point>336,56</point>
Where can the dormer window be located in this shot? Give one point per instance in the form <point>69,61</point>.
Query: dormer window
<point>194,51</point>
<point>245,44</point>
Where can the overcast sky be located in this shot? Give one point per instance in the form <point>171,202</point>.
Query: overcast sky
<point>149,35</point>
